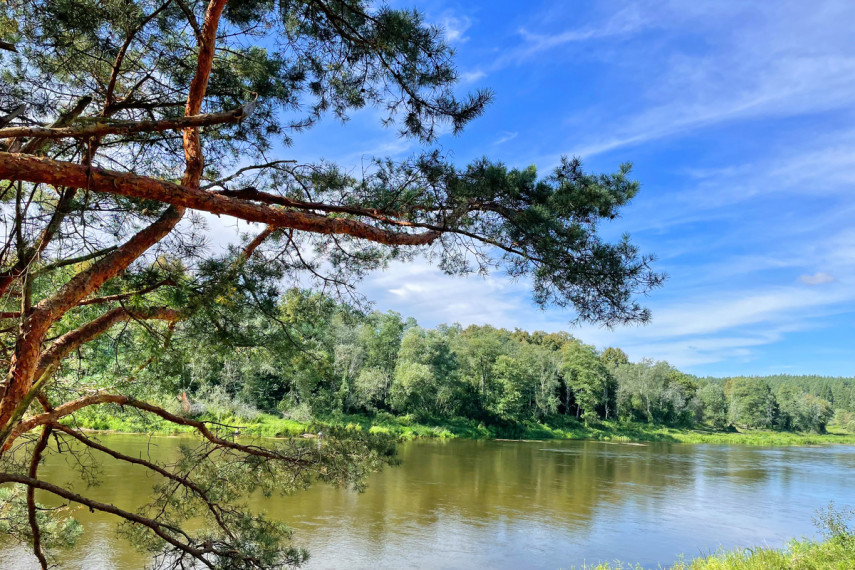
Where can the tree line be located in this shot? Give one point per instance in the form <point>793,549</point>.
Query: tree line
<point>312,357</point>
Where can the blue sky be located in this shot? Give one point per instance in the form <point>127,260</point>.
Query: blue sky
<point>738,118</point>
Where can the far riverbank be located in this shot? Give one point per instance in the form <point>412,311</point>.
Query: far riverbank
<point>406,427</point>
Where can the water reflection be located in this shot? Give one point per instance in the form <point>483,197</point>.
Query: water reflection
<point>479,504</point>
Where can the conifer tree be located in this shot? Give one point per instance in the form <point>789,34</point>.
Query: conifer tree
<point>122,121</point>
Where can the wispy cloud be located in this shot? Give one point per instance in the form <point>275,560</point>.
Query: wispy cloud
<point>700,65</point>
<point>506,136</point>
<point>715,330</point>
<point>455,27</point>
<point>810,86</point>
<point>672,119</point>
<point>472,76</point>
<point>816,279</point>
<point>626,21</point>
<point>709,316</point>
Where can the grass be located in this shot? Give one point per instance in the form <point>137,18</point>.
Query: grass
<point>834,554</point>
<point>112,419</point>
<point>106,418</point>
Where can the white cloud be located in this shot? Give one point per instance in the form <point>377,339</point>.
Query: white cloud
<point>421,290</point>
<point>455,28</point>
<point>816,279</point>
<point>506,136</point>
<point>823,164</point>
<point>472,76</point>
<point>702,316</point>
<point>391,145</point>
<point>223,231</point>
<point>705,331</point>
<point>625,21</point>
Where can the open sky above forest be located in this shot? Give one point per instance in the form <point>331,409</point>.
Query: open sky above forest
<point>738,118</point>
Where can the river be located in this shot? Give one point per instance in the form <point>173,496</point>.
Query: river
<point>493,504</point>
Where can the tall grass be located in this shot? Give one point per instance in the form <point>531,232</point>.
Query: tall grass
<point>833,554</point>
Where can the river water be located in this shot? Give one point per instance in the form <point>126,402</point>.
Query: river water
<point>493,504</point>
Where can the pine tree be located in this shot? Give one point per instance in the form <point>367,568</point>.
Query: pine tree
<point>121,121</point>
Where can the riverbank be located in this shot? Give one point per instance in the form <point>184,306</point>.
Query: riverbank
<point>405,427</point>
<point>834,554</point>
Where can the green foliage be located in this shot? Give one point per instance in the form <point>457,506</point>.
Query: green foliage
<point>836,524</point>
<point>309,357</point>
<point>478,349</point>
<point>548,219</point>
<point>57,527</point>
<point>614,357</point>
<point>655,392</point>
<point>839,392</point>
<point>542,366</point>
<point>714,403</point>
<point>409,427</point>
<point>301,61</point>
<point>803,412</point>
<point>517,394</point>
<point>844,420</point>
<point>248,351</point>
<point>590,381</point>
<point>413,388</point>
<point>751,403</point>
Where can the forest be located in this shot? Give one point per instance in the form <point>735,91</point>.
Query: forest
<point>311,357</point>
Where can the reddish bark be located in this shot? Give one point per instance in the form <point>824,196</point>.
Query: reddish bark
<point>31,497</point>
<point>185,402</point>
<point>17,388</point>
<point>34,326</point>
<point>129,127</point>
<point>70,341</point>
<point>192,143</point>
<point>43,170</point>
